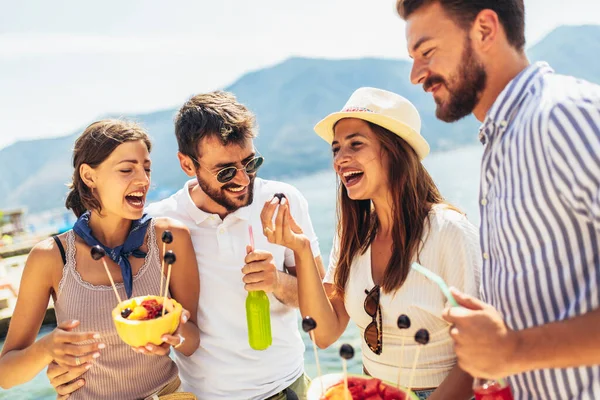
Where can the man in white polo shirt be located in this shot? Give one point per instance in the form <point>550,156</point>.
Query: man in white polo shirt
<point>215,137</point>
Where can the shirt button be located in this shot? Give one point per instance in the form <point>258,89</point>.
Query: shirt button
<point>503,123</point>
<point>482,138</point>
<point>486,256</point>
<point>484,202</point>
<point>221,231</point>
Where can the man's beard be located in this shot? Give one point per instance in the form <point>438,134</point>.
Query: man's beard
<point>219,195</point>
<point>464,89</point>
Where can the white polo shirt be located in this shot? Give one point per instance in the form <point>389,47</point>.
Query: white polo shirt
<point>224,366</point>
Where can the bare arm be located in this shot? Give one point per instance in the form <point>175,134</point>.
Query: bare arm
<point>287,288</point>
<point>457,385</point>
<point>317,300</point>
<point>22,357</point>
<point>314,297</point>
<point>564,344</point>
<point>482,338</point>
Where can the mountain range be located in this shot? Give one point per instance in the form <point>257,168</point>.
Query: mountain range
<point>288,99</point>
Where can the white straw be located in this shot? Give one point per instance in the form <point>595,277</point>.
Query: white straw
<point>162,272</point>
<point>166,288</point>
<point>401,361</point>
<point>412,372</point>
<point>346,391</point>
<point>312,337</point>
<point>111,280</point>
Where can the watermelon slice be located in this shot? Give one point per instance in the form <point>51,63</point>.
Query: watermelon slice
<point>357,392</point>
<point>372,386</point>
<point>391,393</point>
<point>356,381</point>
<point>360,387</point>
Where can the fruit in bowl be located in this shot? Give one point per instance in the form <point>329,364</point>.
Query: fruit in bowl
<point>139,320</point>
<point>359,387</point>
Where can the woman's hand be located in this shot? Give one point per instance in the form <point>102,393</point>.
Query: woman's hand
<point>284,230</point>
<point>175,340</point>
<point>64,348</point>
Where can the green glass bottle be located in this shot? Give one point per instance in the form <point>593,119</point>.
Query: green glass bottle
<point>258,315</point>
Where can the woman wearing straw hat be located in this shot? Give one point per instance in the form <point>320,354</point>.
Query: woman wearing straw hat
<point>390,214</point>
<point>110,181</point>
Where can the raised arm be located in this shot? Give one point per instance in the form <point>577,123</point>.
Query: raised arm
<point>283,284</point>
<point>313,296</point>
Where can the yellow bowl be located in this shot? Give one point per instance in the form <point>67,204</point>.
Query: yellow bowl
<point>141,332</point>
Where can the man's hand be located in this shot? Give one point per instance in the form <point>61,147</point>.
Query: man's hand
<point>484,345</point>
<point>64,379</point>
<point>260,272</point>
<point>62,345</point>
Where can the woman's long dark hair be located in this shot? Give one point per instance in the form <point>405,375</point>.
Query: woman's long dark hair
<point>413,192</point>
<point>92,147</point>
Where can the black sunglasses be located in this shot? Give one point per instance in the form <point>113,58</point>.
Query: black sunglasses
<point>228,173</point>
<point>373,330</point>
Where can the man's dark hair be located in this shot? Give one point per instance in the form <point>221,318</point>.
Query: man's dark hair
<point>511,14</point>
<point>217,114</point>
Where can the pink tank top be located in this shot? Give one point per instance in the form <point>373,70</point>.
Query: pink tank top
<point>119,372</point>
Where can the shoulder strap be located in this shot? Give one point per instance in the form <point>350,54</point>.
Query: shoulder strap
<point>61,248</point>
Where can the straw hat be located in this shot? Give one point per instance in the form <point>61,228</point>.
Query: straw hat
<point>386,109</point>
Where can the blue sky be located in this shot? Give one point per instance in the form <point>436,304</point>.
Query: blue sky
<point>64,63</point>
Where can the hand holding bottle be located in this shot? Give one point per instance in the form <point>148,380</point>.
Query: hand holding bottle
<point>260,272</point>
<point>481,338</point>
<point>258,311</point>
<point>493,388</point>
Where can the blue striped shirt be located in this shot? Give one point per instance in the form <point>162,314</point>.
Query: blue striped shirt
<point>540,214</point>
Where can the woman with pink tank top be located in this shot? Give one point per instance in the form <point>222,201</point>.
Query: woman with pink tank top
<point>108,192</point>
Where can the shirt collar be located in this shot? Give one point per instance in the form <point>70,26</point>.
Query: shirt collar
<point>185,200</point>
<point>199,216</point>
<point>242,213</point>
<point>502,111</point>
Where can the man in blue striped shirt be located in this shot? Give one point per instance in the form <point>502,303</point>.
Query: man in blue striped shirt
<point>539,323</point>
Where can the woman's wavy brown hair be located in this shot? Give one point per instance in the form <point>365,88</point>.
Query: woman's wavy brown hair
<point>413,192</point>
<point>92,147</point>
